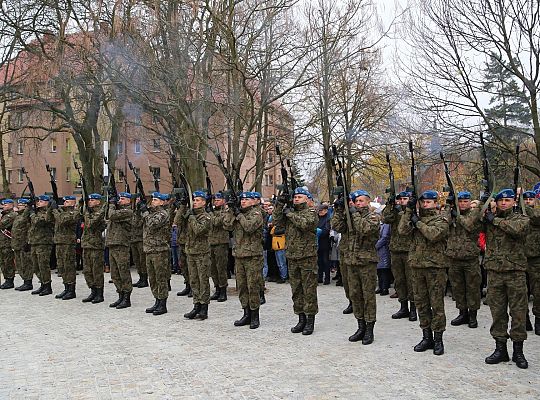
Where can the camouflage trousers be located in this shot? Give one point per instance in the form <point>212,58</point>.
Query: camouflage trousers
<point>362,284</point>
<point>303,280</point>
<point>23,262</point>
<point>41,259</point>
<point>182,260</point>
<point>466,278</point>
<point>120,275</point>
<point>534,277</point>
<point>93,264</point>
<point>199,266</point>
<point>139,258</point>
<point>65,260</point>
<point>218,269</point>
<point>7,262</point>
<point>403,280</point>
<point>157,265</point>
<point>344,269</point>
<point>508,290</point>
<point>248,281</point>
<point>429,285</point>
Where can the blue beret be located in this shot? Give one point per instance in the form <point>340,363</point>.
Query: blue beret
<point>125,194</point>
<point>44,197</point>
<point>219,195</point>
<point>199,193</point>
<point>23,200</point>
<point>302,190</point>
<point>7,201</point>
<point>246,195</point>
<point>359,193</point>
<point>429,195</point>
<point>464,195</point>
<point>256,195</point>
<point>404,194</point>
<point>69,198</point>
<point>94,196</point>
<point>529,194</point>
<point>160,196</point>
<point>505,194</point>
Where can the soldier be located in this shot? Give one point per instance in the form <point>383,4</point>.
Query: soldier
<point>20,246</point>
<point>300,224</point>
<point>399,254</point>
<point>256,200</point>
<point>118,238</point>
<point>219,249</point>
<point>462,251</point>
<point>7,261</point>
<point>345,262</point>
<point>156,238</point>
<point>136,246</point>
<point>429,231</point>
<point>246,224</point>
<point>93,248</point>
<point>532,251</point>
<point>66,219</point>
<point>506,264</point>
<point>198,253</point>
<point>362,273</point>
<point>181,224</point>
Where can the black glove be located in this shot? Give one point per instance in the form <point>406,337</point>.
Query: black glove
<point>53,204</point>
<point>184,201</point>
<point>414,219</point>
<point>339,204</point>
<point>391,200</point>
<point>177,203</point>
<point>143,207</point>
<point>453,213</point>
<point>352,210</point>
<point>489,217</point>
<point>287,211</point>
<point>283,198</point>
<point>398,207</point>
<point>485,197</point>
<point>236,211</point>
<point>450,199</point>
<point>411,204</point>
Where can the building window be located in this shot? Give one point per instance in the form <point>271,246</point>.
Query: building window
<point>20,176</point>
<point>120,148</point>
<point>10,149</point>
<point>54,146</point>
<point>68,145</point>
<point>19,147</point>
<point>137,147</point>
<point>270,158</point>
<point>68,174</point>
<point>156,148</point>
<point>269,180</point>
<point>9,175</point>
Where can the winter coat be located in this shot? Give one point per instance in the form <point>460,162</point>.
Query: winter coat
<point>382,246</point>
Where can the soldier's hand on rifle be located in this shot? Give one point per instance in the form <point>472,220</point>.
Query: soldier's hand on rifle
<point>352,210</point>
<point>287,211</point>
<point>485,197</point>
<point>283,198</point>
<point>414,219</point>
<point>236,211</point>
<point>143,207</point>
<point>339,204</point>
<point>450,199</point>
<point>411,204</point>
<point>489,216</point>
<point>453,213</point>
<point>53,205</point>
<point>391,200</point>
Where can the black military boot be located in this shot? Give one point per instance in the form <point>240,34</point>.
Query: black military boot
<point>70,293</point>
<point>310,325</point>
<point>412,312</point>
<point>348,309</point>
<point>222,294</point>
<point>215,296</point>
<point>518,356</point>
<point>427,341</point>
<point>360,332</point>
<point>184,292</point>
<point>46,289</point>
<point>261,297</point>
<point>8,284</point>
<point>27,285</point>
<point>120,298</point>
<point>150,310</point>
<point>537,326</point>
<point>99,296</point>
<point>299,327</point>
<point>528,324</point>
<point>246,318</point>
<point>473,322</point>
<point>142,282</point>
<point>255,323</point>
<point>203,312</point>
<point>193,313</point>
<point>62,294</point>
<point>403,311</point>
<point>91,296</point>
<point>438,347</point>
<point>161,307</point>
<point>39,289</point>
<point>461,319</point>
<point>500,354</point>
<point>368,337</point>
<point>126,301</point>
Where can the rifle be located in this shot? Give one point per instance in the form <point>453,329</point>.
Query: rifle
<point>294,182</point>
<point>450,184</point>
<point>126,183</point>
<point>138,183</point>
<point>112,193</point>
<point>83,184</point>
<point>31,189</point>
<point>208,189</point>
<point>342,189</point>
<point>285,189</point>
<point>233,196</point>
<point>154,171</point>
<point>53,184</point>
<point>518,198</point>
<point>392,189</point>
<point>489,180</point>
<point>413,174</point>
<point>184,193</point>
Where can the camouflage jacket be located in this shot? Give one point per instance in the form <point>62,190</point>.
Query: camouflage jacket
<point>119,230</point>
<point>19,230</point>
<point>6,223</point>
<point>532,243</point>
<point>41,230</point>
<point>156,230</point>
<point>505,242</point>
<point>463,235</point>
<point>136,227</point>
<point>65,225</point>
<point>300,230</point>
<point>247,230</point>
<point>181,223</point>
<point>346,244</point>
<point>218,234</point>
<point>428,240</point>
<point>398,243</point>
<point>198,227</point>
<point>94,225</point>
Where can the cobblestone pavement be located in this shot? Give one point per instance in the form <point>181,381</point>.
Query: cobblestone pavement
<point>54,349</point>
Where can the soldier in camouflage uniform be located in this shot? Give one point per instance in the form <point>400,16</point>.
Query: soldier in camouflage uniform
<point>344,263</point>
<point>181,239</point>
<point>7,261</point>
<point>532,251</point>
<point>362,272</point>
<point>93,247</point>
<point>300,224</point>
<point>246,224</point>
<point>219,249</point>
<point>506,265</point>
<point>136,246</point>
<point>429,231</point>
<point>66,219</point>
<point>20,246</point>
<point>118,236</point>
<point>399,252</point>
<point>156,239</point>
<point>198,252</point>
<point>462,251</point>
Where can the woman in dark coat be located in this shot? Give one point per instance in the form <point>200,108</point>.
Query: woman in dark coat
<point>383,266</point>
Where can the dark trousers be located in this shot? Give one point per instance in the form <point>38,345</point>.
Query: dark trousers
<point>323,262</point>
<point>384,277</point>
